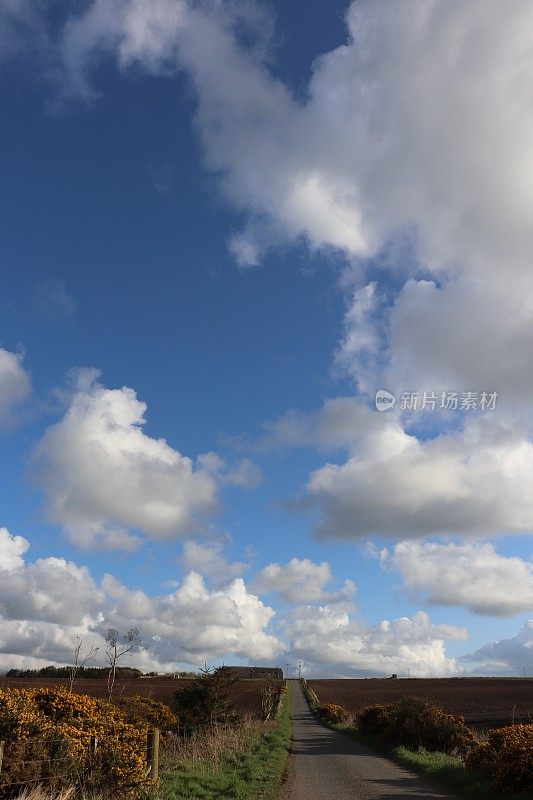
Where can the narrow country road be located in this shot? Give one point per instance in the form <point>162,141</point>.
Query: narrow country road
<point>326,765</point>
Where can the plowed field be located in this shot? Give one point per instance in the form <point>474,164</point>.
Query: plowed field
<point>479,700</point>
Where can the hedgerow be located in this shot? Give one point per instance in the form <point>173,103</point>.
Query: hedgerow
<point>506,757</point>
<point>416,722</point>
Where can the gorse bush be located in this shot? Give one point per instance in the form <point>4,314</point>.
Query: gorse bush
<point>48,733</point>
<point>416,722</point>
<point>333,712</point>
<point>146,711</point>
<point>506,757</point>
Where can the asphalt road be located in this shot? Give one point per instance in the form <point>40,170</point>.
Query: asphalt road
<point>326,765</point>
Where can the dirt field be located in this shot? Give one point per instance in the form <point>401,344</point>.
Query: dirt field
<point>479,700</point>
<point>245,691</point>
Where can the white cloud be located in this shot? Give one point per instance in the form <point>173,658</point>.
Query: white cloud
<point>507,656</point>
<point>193,624</point>
<point>475,481</point>
<point>300,581</point>
<point>207,558</point>
<point>15,386</point>
<point>12,549</point>
<point>472,480</point>
<point>103,476</point>
<point>419,125</point>
<point>372,151</point>
<point>472,576</point>
<point>45,605</point>
<point>332,644</point>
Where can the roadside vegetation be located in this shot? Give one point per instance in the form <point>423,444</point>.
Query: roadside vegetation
<point>243,761</point>
<point>421,736</point>
<point>59,744</point>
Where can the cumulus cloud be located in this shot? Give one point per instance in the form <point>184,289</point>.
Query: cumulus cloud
<point>208,559</point>
<point>104,477</point>
<point>471,480</point>
<point>379,154</point>
<point>194,624</point>
<point>300,581</point>
<point>507,656</point>
<point>332,644</point>
<point>15,386</point>
<point>46,604</point>
<point>369,156</point>
<point>12,549</point>
<point>472,576</point>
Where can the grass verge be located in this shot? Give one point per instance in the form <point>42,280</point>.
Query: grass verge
<point>254,772</point>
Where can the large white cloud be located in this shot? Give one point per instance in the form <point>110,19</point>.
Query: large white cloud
<point>103,476</point>
<point>379,145</point>
<point>301,580</point>
<point>15,386</point>
<point>331,643</point>
<point>474,479</point>
<point>419,124</point>
<point>473,576</point>
<point>194,624</point>
<point>47,604</point>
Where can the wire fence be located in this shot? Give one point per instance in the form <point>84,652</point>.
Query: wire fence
<point>51,767</point>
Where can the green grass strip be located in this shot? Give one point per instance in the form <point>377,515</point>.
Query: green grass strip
<point>255,773</point>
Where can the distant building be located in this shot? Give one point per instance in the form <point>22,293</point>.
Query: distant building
<point>256,672</point>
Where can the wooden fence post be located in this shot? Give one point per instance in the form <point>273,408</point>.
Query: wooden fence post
<point>152,753</point>
<point>2,744</point>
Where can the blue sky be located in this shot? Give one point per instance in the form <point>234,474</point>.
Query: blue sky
<point>224,227</point>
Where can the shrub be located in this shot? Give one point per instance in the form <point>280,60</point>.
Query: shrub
<point>506,757</point>
<point>146,711</point>
<point>206,700</point>
<point>416,722</point>
<point>333,712</point>
<point>48,732</point>
<point>374,720</point>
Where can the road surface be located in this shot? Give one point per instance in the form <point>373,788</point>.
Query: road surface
<point>326,765</point>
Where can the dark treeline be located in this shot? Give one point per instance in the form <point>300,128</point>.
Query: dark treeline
<point>64,672</point>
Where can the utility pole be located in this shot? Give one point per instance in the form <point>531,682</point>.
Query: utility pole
<point>287,672</point>
<point>299,670</point>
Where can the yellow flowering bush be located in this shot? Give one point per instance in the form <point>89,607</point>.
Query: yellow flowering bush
<point>333,712</point>
<point>146,710</point>
<point>48,735</point>
<point>506,757</point>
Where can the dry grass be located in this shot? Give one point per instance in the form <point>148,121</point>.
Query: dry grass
<point>208,748</point>
<point>41,793</point>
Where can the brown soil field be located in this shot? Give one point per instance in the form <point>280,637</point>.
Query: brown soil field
<point>246,694</point>
<point>493,701</point>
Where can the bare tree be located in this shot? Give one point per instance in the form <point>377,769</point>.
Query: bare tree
<point>116,647</point>
<point>81,657</point>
